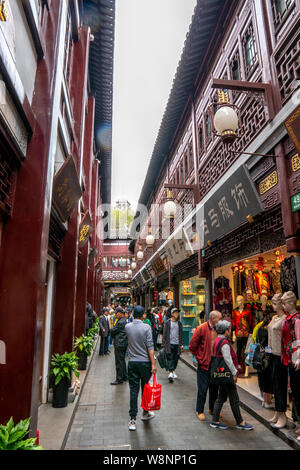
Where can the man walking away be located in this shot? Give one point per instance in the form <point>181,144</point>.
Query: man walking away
<point>120,343</point>
<point>173,342</point>
<point>141,364</point>
<point>104,332</point>
<point>201,345</point>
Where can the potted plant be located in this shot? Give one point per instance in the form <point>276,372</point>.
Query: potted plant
<point>62,366</point>
<point>12,436</point>
<point>83,347</point>
<point>92,332</point>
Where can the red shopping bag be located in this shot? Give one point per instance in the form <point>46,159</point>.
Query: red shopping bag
<point>151,395</point>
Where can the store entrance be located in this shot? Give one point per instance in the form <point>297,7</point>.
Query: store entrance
<point>192,306</point>
<point>243,292</point>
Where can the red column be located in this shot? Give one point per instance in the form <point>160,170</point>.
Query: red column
<point>24,248</point>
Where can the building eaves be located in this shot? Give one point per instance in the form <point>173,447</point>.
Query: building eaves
<point>204,21</point>
<point>101,81</point>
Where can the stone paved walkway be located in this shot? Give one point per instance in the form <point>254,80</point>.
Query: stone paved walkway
<point>101,421</point>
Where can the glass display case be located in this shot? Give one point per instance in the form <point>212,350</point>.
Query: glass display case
<point>192,303</point>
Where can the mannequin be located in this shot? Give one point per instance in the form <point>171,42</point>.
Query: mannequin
<point>279,372</point>
<point>291,346</point>
<point>242,325</point>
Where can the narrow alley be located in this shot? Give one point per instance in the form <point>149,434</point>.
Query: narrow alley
<point>101,420</point>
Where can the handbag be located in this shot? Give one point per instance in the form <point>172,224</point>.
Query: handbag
<point>220,373</point>
<point>249,357</point>
<point>151,399</point>
<point>162,358</point>
<point>249,342</point>
<point>260,358</point>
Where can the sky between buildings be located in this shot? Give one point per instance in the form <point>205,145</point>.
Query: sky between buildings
<point>149,39</point>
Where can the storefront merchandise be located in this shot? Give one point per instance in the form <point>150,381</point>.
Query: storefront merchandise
<point>192,305</point>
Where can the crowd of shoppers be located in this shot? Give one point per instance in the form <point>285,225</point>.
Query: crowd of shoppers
<point>137,335</point>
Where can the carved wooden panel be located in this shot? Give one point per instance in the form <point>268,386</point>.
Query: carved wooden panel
<point>288,64</point>
<point>268,222</point>
<point>8,176</point>
<point>281,11</point>
<point>253,120</point>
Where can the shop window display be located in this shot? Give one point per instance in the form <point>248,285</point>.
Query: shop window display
<point>192,304</point>
<point>257,286</point>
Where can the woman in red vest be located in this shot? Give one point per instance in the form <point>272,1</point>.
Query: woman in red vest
<point>223,329</point>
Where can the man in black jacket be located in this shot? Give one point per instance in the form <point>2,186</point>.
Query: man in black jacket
<point>120,343</point>
<point>104,332</point>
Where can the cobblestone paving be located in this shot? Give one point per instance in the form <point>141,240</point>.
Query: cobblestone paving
<point>101,421</point>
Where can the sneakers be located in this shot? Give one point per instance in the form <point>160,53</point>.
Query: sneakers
<point>218,425</point>
<point>147,415</point>
<point>132,425</point>
<point>170,377</point>
<point>174,376</point>
<point>244,427</point>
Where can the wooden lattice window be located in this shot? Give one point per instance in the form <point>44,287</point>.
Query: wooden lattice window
<point>191,156</point>
<point>181,173</point>
<point>235,66</point>
<point>207,129</point>
<point>68,48</point>
<point>281,10</point>
<point>250,51</point>
<point>201,139</point>
<point>186,165</point>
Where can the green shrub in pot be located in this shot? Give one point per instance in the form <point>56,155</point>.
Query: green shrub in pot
<point>83,347</point>
<point>62,366</point>
<point>12,436</point>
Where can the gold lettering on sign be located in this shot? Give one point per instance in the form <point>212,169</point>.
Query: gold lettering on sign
<point>296,162</point>
<point>269,182</point>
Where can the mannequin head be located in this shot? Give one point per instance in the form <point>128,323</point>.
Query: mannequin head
<point>289,302</point>
<point>264,300</point>
<point>240,301</point>
<point>277,303</point>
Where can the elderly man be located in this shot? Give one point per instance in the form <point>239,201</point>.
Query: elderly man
<point>201,346</point>
<point>104,332</point>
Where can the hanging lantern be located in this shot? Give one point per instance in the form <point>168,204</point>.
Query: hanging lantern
<point>126,276</point>
<point>140,254</point>
<point>260,264</point>
<point>170,207</point>
<point>150,239</point>
<point>133,264</point>
<point>226,119</point>
<point>279,258</point>
<point>129,272</point>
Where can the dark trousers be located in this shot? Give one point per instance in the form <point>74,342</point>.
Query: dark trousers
<point>241,344</point>
<point>103,345</point>
<point>203,382</point>
<point>154,335</point>
<point>121,372</point>
<point>173,357</point>
<point>295,386</point>
<point>228,391</point>
<point>139,374</point>
<point>279,375</point>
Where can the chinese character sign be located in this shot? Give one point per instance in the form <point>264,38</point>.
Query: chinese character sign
<point>229,207</point>
<point>66,189</point>
<point>85,229</point>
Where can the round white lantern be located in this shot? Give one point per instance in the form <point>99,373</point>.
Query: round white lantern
<point>226,121</point>
<point>140,255</point>
<point>133,265</point>
<point>170,209</point>
<point>129,272</point>
<point>150,240</point>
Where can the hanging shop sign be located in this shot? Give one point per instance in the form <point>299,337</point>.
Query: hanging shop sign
<point>178,250</point>
<point>292,125</point>
<point>158,265</point>
<point>228,208</point>
<point>66,189</point>
<point>295,201</point>
<point>146,276</point>
<point>85,229</point>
